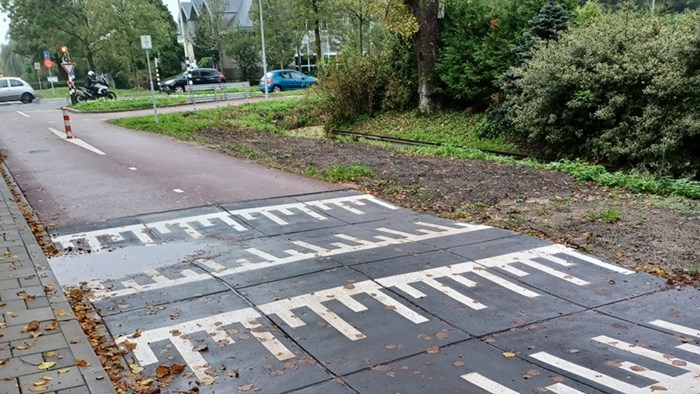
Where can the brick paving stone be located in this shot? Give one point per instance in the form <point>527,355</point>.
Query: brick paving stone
<point>29,291</point>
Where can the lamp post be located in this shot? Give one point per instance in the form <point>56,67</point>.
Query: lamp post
<point>264,58</point>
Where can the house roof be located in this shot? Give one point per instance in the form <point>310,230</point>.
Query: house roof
<point>236,12</point>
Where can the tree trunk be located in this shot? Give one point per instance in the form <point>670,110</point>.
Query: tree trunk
<point>425,12</point>
<point>317,33</point>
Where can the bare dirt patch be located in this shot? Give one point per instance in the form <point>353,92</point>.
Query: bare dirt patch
<point>650,233</point>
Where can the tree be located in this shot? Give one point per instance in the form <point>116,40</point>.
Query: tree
<point>244,48</point>
<point>426,40</point>
<point>209,32</point>
<point>10,62</point>
<point>552,19</point>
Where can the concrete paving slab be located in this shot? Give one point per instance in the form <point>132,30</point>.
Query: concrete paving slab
<point>348,322</point>
<point>280,216</point>
<point>196,223</point>
<point>154,287</point>
<point>467,367</point>
<point>609,354</point>
<point>214,335</point>
<point>58,381</point>
<point>99,236</point>
<point>475,299</point>
<point>335,386</point>
<point>351,206</point>
<point>561,271</point>
<point>672,311</point>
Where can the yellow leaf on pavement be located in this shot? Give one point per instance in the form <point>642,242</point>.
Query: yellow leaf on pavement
<point>63,370</point>
<point>508,354</point>
<point>46,364</point>
<point>61,312</point>
<point>135,368</point>
<point>146,382</point>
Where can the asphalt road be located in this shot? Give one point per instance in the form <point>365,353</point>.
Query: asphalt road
<point>122,172</point>
<point>258,280</point>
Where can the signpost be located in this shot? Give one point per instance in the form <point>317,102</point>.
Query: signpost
<point>37,67</point>
<point>147,45</point>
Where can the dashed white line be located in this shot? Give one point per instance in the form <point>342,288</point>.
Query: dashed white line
<point>133,168</point>
<point>178,190</point>
<point>23,114</point>
<point>76,141</point>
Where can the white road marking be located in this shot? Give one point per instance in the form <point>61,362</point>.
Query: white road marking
<point>487,384</point>
<point>684,383</point>
<point>23,114</point>
<point>677,328</point>
<point>77,141</point>
<point>559,388</point>
<point>178,190</point>
<point>133,168</point>
<point>214,326</point>
<point>586,373</point>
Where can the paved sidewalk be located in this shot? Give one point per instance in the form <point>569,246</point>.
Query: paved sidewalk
<point>30,294</point>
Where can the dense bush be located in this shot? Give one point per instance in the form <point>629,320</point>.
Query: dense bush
<point>623,90</point>
<point>366,85</point>
<point>478,42</point>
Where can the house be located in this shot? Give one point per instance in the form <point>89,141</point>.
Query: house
<point>236,14</point>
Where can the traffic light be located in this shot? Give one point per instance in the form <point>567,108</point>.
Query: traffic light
<point>64,49</point>
<point>66,56</point>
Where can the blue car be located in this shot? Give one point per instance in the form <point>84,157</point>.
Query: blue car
<point>282,80</point>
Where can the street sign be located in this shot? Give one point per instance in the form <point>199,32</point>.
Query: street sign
<point>70,69</point>
<point>52,79</point>
<point>47,55</point>
<point>146,42</point>
<point>48,63</point>
<point>37,66</point>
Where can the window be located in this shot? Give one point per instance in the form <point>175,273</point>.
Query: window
<point>284,74</point>
<point>3,83</point>
<point>206,73</point>
<point>295,75</point>
<point>16,83</point>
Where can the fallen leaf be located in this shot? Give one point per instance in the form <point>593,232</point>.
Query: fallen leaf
<point>81,363</point>
<point>99,377</point>
<point>349,286</point>
<point>531,374</point>
<point>135,368</point>
<point>137,333</point>
<point>46,365</point>
<point>175,333</point>
<point>177,368</point>
<point>162,371</point>
<point>4,361</point>
<point>49,354</point>
<point>508,354</point>
<point>51,326</point>
<point>233,373</point>
<point>146,382</point>
<point>390,346</point>
<point>679,363</point>
<point>60,312</point>
<point>3,325</point>
<point>36,334</point>
<point>245,387</point>
<point>637,368</point>
<point>129,345</point>
<point>432,350</point>
<point>658,388</point>
<point>38,389</point>
<point>32,326</point>
<point>209,380</point>
<point>574,351</point>
<point>25,296</point>
<point>2,304</point>
<point>23,346</point>
<point>458,363</point>
<point>63,370</point>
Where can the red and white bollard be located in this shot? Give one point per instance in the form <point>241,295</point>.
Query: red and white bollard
<point>66,123</point>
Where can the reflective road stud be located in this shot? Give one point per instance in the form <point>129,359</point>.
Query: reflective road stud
<point>66,123</point>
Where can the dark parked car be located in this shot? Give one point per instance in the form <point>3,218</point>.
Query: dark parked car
<point>200,76</point>
<point>279,80</point>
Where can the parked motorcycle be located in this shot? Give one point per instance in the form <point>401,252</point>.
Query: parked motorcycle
<point>101,90</point>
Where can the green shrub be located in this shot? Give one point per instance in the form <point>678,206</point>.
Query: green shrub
<point>478,41</point>
<point>621,90</point>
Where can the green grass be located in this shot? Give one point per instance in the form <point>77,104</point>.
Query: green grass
<point>352,173</point>
<point>262,116</point>
<point>103,105</point>
<point>457,129</point>
<point>611,215</point>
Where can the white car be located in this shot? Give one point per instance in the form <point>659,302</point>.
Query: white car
<point>15,89</point>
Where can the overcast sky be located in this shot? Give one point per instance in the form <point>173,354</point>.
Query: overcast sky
<point>5,23</point>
